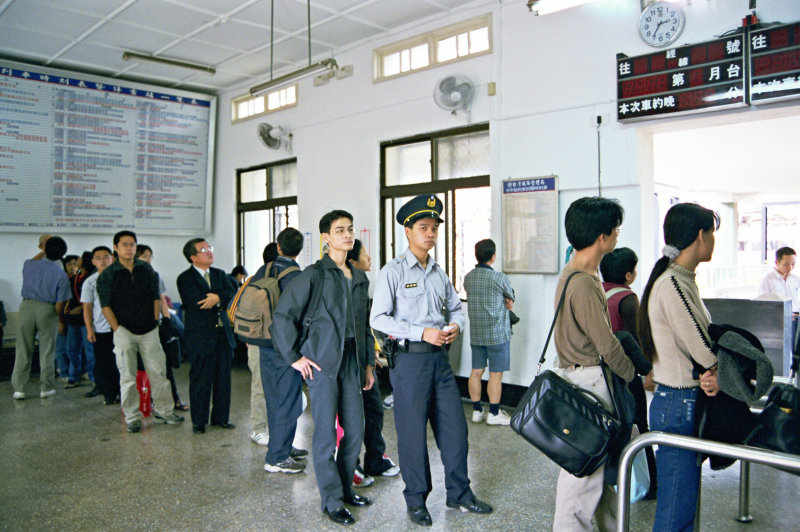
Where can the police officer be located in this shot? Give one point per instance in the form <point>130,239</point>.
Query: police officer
<point>416,305</point>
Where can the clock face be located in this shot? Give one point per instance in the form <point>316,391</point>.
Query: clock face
<point>661,23</point>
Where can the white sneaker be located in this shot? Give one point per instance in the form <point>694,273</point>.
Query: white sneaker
<point>19,395</point>
<point>261,438</point>
<point>478,416</point>
<point>361,479</point>
<point>388,403</point>
<point>501,418</point>
<point>49,393</point>
<point>393,470</point>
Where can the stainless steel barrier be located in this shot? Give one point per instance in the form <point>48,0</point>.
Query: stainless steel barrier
<point>737,452</point>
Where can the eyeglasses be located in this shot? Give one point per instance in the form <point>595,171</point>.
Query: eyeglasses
<point>209,249</point>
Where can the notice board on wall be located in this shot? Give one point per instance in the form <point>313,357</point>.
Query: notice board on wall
<point>86,154</point>
<point>530,225</point>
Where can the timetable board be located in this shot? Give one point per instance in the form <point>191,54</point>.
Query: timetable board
<point>81,153</point>
<point>530,225</point>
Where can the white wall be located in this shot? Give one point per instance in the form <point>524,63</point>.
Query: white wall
<point>554,75</point>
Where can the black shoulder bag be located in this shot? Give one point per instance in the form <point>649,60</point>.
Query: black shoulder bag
<point>568,424</point>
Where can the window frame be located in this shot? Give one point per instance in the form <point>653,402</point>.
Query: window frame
<point>236,101</point>
<point>270,204</point>
<point>431,38</point>
<point>447,187</point>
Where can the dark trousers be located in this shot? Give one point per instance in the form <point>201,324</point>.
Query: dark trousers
<point>282,391</point>
<point>425,390</point>
<point>374,444</point>
<point>211,372</point>
<point>172,385</point>
<point>106,373</point>
<point>640,419</point>
<point>331,396</point>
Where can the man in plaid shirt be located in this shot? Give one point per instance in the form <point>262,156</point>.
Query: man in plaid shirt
<point>489,297</point>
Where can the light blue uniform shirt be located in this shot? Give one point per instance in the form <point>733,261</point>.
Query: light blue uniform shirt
<point>408,299</point>
<point>45,280</point>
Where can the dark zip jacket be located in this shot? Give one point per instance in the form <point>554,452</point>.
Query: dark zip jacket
<point>325,342</point>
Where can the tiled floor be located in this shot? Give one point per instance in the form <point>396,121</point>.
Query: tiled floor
<point>67,463</point>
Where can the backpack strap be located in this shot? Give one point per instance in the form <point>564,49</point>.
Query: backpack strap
<point>312,308</point>
<point>287,271</point>
<point>235,301</point>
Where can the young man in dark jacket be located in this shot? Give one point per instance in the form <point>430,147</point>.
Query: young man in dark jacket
<point>334,359</point>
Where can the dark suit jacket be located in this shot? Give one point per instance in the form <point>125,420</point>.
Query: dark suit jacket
<point>200,334</point>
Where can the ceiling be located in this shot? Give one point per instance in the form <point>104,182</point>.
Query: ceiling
<point>232,36</point>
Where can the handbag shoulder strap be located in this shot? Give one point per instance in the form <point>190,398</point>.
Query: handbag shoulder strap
<point>553,325</point>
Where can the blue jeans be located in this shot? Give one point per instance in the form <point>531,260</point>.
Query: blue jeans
<point>62,362</point>
<point>74,348</point>
<point>673,410</point>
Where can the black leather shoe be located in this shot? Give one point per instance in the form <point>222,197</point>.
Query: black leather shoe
<point>223,425</point>
<point>357,500</point>
<point>341,515</point>
<point>419,516</point>
<point>94,393</point>
<point>475,506</point>
<point>198,429</point>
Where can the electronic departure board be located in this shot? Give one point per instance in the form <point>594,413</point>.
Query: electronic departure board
<point>775,63</point>
<point>687,79</point>
<point>81,153</point>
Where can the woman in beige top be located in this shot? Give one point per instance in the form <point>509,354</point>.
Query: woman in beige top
<point>673,328</point>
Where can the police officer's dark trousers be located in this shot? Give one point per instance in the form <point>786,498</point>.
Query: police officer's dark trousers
<point>282,391</point>
<point>210,373</point>
<point>331,396</point>
<point>425,390</point>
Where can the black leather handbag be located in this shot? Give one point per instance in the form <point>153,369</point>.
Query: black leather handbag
<point>568,424</point>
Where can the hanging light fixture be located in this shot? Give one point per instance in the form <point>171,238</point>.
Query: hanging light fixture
<point>545,7</point>
<point>136,56</point>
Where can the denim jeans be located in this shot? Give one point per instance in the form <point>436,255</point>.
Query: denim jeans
<point>74,349</point>
<point>673,410</point>
<point>62,362</point>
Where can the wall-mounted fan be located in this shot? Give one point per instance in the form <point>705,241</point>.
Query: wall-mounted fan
<point>454,93</point>
<point>273,136</point>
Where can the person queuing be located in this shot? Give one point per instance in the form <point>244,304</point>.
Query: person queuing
<point>335,359</point>
<point>205,292</point>
<point>376,462</point>
<point>415,303</point>
<point>45,291</point>
<point>130,300</point>
<point>673,328</point>
<point>490,298</point>
<point>784,283</point>
<point>582,334</point>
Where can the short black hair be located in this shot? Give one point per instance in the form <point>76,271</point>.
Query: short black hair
<point>616,264</point>
<point>55,248</point>
<point>125,232</point>
<point>189,250</point>
<point>485,250</point>
<point>782,252</point>
<point>270,252</point>
<point>328,218</point>
<point>141,248</point>
<point>86,262</point>
<point>101,248</point>
<point>290,241</point>
<point>238,270</point>
<point>588,218</point>
<point>355,252</point>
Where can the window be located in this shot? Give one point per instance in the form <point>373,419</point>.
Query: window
<point>249,106</point>
<point>266,204</point>
<point>453,43</point>
<point>453,165</point>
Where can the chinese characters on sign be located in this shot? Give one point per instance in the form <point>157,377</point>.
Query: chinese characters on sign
<point>530,225</point>
<point>680,80</point>
<point>775,63</point>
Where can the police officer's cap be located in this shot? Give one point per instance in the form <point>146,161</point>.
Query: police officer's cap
<point>423,206</point>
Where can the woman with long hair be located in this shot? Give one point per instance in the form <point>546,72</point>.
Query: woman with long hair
<point>673,329</point>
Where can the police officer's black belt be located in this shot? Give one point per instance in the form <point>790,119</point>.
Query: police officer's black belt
<point>420,347</point>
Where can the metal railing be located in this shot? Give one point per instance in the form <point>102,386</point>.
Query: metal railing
<point>737,452</point>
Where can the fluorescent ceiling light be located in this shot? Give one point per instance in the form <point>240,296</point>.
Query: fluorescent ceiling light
<point>135,56</point>
<point>545,7</point>
<point>310,70</point>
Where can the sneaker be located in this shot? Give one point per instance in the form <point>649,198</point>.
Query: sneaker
<point>260,438</point>
<point>361,479</point>
<point>172,419</point>
<point>388,403</point>
<point>393,470</point>
<point>289,466</point>
<point>298,454</point>
<point>478,416</point>
<point>501,418</point>
<point>135,425</point>
<point>47,393</point>
<point>19,396</point>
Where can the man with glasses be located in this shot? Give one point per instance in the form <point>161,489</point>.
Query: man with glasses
<point>208,337</point>
<point>130,300</point>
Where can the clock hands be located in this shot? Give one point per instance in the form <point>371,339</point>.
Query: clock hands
<point>658,26</point>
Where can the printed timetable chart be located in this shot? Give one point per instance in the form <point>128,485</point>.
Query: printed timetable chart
<point>530,225</point>
<point>81,153</point>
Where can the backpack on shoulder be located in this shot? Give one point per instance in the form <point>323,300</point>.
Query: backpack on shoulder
<point>251,309</point>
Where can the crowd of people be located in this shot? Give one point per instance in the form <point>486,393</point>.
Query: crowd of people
<point>103,316</point>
